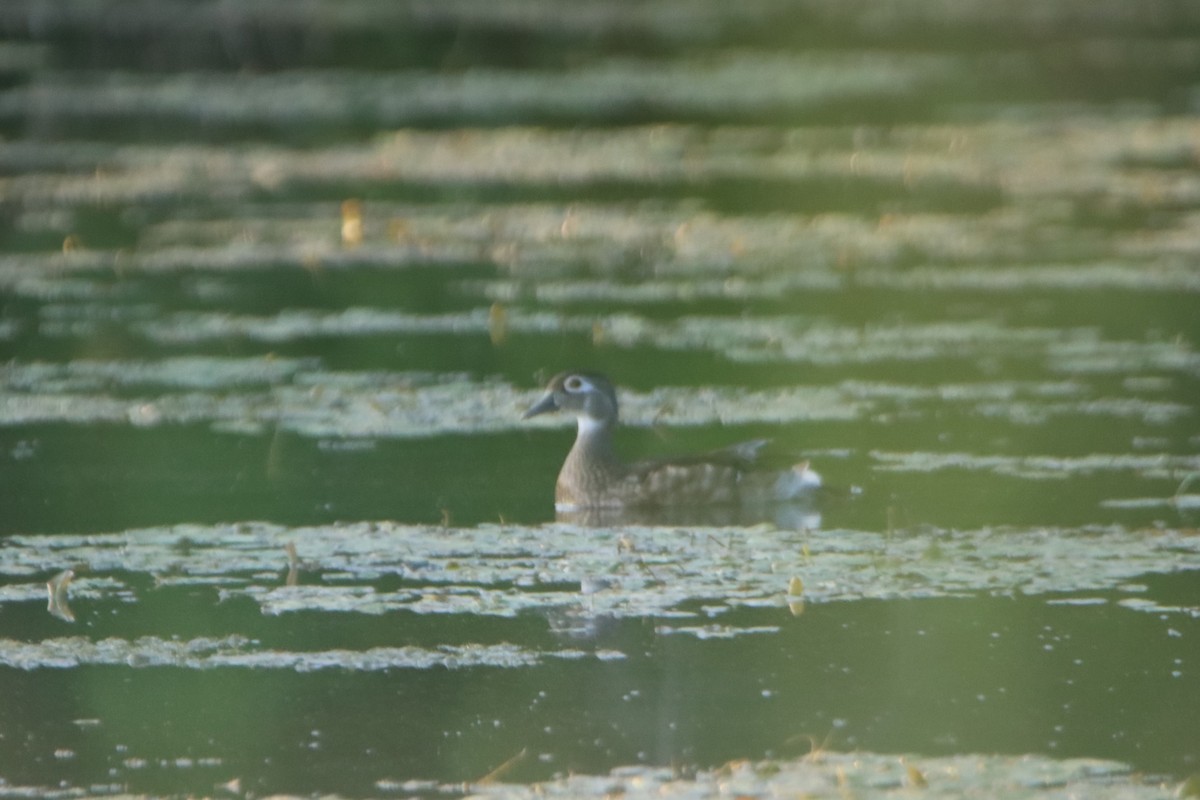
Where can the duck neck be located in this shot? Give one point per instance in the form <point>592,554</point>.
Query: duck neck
<point>594,445</point>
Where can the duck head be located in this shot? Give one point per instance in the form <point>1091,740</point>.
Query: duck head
<point>589,396</point>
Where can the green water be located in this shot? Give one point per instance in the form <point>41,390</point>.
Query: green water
<point>948,255</point>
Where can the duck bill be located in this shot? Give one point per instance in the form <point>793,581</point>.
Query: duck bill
<point>543,406</point>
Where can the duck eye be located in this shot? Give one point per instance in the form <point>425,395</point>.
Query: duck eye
<point>573,383</point>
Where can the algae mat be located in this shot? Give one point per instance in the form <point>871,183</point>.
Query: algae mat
<point>684,579</point>
<point>384,614</point>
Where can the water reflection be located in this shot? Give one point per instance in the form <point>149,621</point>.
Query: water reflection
<point>795,516</point>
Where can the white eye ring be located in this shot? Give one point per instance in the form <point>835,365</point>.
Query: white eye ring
<point>574,384</point>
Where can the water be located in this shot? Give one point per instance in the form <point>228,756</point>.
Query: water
<point>951,264</point>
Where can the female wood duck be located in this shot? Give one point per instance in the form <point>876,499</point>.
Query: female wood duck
<point>594,477</point>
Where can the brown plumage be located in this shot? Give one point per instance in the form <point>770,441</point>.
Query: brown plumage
<point>593,476</point>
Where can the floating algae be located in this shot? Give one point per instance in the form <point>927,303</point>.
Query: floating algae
<point>860,774</point>
<point>191,372</point>
<point>1040,467</point>
<point>508,570</point>
<point>735,82</point>
<point>319,403</point>
<point>235,652</point>
<point>256,393</point>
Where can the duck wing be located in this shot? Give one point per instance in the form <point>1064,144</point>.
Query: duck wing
<point>714,477</point>
<point>740,456</point>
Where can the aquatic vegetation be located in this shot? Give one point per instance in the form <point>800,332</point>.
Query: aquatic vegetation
<point>255,394</point>
<point>1038,466</point>
<point>508,570</point>
<point>860,774</point>
<point>752,83</point>
<point>238,652</point>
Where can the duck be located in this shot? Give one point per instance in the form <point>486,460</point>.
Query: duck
<point>593,476</point>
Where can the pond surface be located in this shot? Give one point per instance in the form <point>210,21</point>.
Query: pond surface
<point>278,281</point>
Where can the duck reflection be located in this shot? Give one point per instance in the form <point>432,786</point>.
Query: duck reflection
<point>787,516</point>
